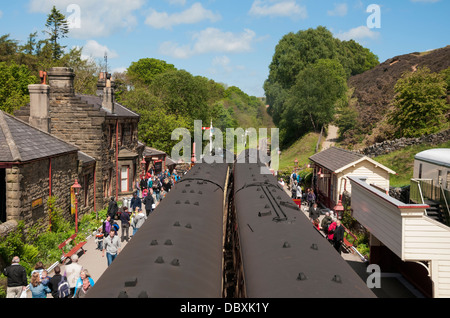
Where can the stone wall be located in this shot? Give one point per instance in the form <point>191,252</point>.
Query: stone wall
<point>388,146</point>
<point>28,184</point>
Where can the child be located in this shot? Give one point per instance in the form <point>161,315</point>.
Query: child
<point>99,239</point>
<point>45,279</point>
<point>144,193</point>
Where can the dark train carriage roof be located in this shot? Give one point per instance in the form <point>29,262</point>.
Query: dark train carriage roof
<point>283,255</point>
<point>177,253</point>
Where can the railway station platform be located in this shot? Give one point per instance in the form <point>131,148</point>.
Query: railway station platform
<point>393,285</point>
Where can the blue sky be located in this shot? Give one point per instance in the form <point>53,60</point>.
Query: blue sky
<point>232,41</point>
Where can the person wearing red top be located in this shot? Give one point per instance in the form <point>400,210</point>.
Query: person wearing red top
<point>331,230</point>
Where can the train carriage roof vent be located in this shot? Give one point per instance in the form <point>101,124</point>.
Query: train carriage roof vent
<point>337,279</point>
<point>286,245</point>
<point>159,260</point>
<point>192,191</point>
<point>143,294</point>
<point>262,196</point>
<point>154,242</point>
<point>196,203</point>
<point>314,246</point>
<point>176,223</point>
<point>168,242</point>
<point>178,202</point>
<point>131,282</point>
<point>188,226</point>
<point>301,276</point>
<point>184,191</point>
<point>123,294</point>
<point>200,192</point>
<point>187,202</point>
<point>175,262</point>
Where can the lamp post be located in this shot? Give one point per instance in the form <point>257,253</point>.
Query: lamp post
<point>76,190</point>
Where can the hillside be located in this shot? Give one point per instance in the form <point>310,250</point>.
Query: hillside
<point>374,89</point>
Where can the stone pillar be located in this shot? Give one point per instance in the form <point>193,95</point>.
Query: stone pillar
<point>39,106</point>
<point>60,80</point>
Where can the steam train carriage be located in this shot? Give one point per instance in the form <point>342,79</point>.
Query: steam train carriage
<point>281,254</point>
<point>177,253</point>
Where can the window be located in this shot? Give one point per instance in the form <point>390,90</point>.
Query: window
<point>124,177</point>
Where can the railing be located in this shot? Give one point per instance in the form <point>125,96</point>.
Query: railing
<point>423,189</point>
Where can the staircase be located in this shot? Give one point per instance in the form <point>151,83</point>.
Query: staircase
<point>435,211</point>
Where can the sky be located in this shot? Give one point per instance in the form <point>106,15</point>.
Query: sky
<point>233,41</point>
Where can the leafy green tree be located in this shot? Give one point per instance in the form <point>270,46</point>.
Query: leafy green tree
<point>312,100</point>
<point>419,104</point>
<point>146,69</point>
<point>295,53</point>
<point>57,29</point>
<point>14,81</point>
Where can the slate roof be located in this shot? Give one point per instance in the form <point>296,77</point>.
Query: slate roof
<point>20,142</point>
<point>119,110</point>
<point>149,151</point>
<point>337,160</point>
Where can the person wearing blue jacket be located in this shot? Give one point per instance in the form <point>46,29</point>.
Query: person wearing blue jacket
<point>38,290</point>
<point>84,274</point>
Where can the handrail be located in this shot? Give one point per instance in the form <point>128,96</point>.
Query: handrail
<point>446,205</point>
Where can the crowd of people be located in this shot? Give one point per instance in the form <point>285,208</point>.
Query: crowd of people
<point>330,225</point>
<point>73,283</point>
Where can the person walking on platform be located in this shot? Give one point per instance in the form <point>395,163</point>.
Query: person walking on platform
<point>54,281</point>
<point>125,220</point>
<point>138,220</point>
<point>135,202</point>
<point>81,292</point>
<point>16,278</point>
<point>148,203</point>
<point>112,208</point>
<point>111,246</point>
<point>72,272</point>
<point>38,290</point>
<point>338,236</point>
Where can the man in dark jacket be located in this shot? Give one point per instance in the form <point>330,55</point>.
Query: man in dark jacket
<point>148,202</point>
<point>17,278</point>
<point>135,202</point>
<point>338,236</point>
<point>54,281</point>
<point>112,208</point>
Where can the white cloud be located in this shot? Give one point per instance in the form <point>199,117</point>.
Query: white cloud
<point>284,8</point>
<point>96,19</point>
<point>95,50</point>
<point>339,10</point>
<point>358,33</point>
<point>211,40</point>
<point>196,13</point>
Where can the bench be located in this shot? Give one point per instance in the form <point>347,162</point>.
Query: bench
<point>75,249</point>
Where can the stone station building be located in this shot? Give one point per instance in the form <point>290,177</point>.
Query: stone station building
<point>92,139</point>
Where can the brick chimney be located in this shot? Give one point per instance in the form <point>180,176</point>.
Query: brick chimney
<point>39,104</point>
<point>60,80</point>
<point>108,94</point>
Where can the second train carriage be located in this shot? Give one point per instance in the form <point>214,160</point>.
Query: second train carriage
<point>178,251</point>
<point>280,254</point>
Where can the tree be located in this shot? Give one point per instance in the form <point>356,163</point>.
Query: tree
<point>295,53</point>
<point>312,100</point>
<point>145,70</point>
<point>14,81</point>
<point>57,29</point>
<point>420,107</point>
